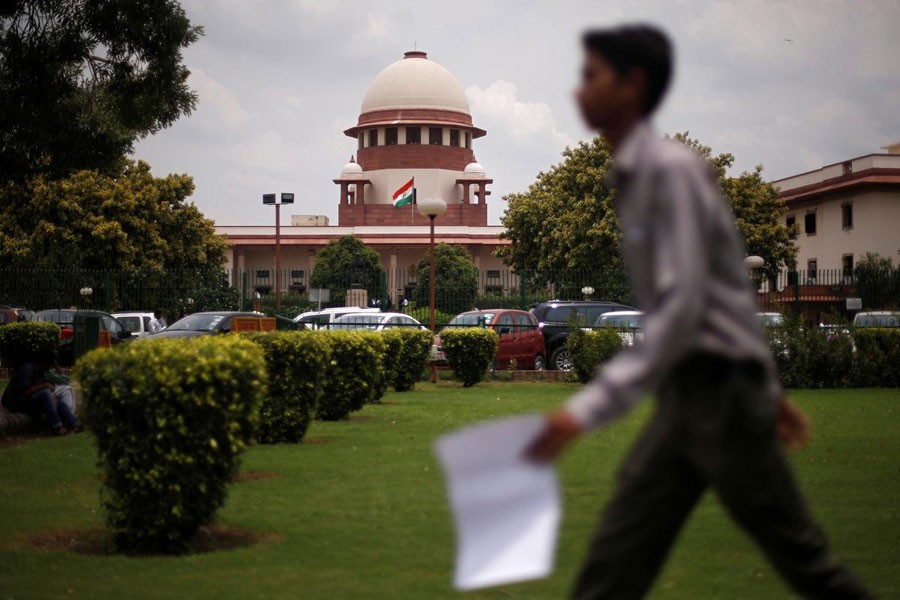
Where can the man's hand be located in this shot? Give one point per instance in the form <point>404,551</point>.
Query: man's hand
<point>560,428</point>
<point>792,425</point>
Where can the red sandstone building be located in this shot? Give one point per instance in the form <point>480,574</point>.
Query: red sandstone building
<point>414,123</point>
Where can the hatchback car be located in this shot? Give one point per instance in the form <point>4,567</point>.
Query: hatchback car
<point>520,338</point>
<point>321,319</point>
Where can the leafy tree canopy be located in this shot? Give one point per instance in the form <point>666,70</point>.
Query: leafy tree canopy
<point>344,263</point>
<point>81,80</point>
<point>129,222</point>
<point>563,229</point>
<point>877,281</point>
<point>455,276</point>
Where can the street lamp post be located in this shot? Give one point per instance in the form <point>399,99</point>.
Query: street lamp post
<point>271,199</point>
<point>753,264</point>
<point>432,208</point>
<point>587,291</point>
<point>85,295</point>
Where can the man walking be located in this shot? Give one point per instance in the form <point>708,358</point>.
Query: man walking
<point>720,409</point>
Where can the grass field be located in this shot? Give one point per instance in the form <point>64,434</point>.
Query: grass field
<point>358,511</point>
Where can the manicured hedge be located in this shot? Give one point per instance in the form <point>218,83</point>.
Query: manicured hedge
<point>589,349</point>
<point>296,363</point>
<point>20,342</point>
<point>354,373</point>
<point>406,356</point>
<point>380,380</point>
<point>810,357</point>
<point>877,357</point>
<point>170,418</point>
<point>469,352</point>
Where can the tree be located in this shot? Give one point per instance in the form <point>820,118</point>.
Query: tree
<point>455,277</point>
<point>346,263</point>
<point>81,80</point>
<point>151,247</point>
<point>877,281</point>
<point>564,232</point>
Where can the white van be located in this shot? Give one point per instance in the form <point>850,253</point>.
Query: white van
<point>322,319</point>
<point>137,323</point>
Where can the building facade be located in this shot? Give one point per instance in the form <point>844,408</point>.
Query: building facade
<point>845,210</point>
<point>414,123</point>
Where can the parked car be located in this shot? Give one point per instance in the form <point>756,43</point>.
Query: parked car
<point>880,318</point>
<point>374,321</point>
<point>556,317</point>
<point>65,318</point>
<point>520,338</point>
<point>628,322</point>
<point>770,319</point>
<point>323,318</point>
<point>12,314</point>
<point>202,323</point>
<point>138,323</point>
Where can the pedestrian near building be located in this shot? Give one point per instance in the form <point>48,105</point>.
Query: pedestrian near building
<point>720,410</point>
<point>156,323</point>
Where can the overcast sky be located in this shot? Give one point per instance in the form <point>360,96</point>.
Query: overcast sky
<point>792,85</point>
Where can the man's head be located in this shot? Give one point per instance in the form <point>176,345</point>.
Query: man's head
<point>157,314</point>
<point>625,75</point>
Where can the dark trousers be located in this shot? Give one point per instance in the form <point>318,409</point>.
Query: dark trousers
<point>43,403</point>
<point>714,427</point>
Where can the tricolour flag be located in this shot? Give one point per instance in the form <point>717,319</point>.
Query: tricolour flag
<point>404,195</point>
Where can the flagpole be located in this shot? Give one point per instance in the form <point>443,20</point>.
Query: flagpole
<point>412,207</point>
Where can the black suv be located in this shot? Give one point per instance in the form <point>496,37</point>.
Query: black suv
<point>555,319</point>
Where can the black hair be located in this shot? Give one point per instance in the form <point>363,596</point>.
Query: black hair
<point>641,47</point>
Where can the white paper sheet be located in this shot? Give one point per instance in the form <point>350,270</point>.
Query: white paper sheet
<point>506,508</point>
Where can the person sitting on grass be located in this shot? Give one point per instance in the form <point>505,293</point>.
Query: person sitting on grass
<point>28,392</point>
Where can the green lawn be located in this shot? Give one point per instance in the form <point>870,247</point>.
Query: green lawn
<point>359,512</point>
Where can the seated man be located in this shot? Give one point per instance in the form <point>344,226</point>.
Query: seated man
<point>29,393</point>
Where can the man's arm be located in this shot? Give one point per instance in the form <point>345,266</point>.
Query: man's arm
<point>680,267</point>
<point>29,381</point>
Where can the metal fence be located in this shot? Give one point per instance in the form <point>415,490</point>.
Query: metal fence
<point>813,296</point>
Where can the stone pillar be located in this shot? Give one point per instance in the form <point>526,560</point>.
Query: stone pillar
<point>467,198</point>
<point>482,197</point>
<point>344,199</point>
<point>361,192</point>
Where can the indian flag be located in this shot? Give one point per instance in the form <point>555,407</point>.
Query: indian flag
<point>404,195</point>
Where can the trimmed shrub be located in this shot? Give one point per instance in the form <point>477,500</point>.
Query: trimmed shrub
<point>809,357</point>
<point>20,342</point>
<point>354,368</point>
<point>170,418</point>
<point>469,352</point>
<point>877,359</point>
<point>380,380</point>
<point>406,355</point>
<point>589,349</point>
<point>296,363</point>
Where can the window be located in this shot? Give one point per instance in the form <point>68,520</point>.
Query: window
<point>493,290</point>
<point>468,139</point>
<point>435,136</point>
<point>790,221</point>
<point>809,223</point>
<point>413,135</point>
<point>525,323</point>
<point>812,269</point>
<point>262,273</point>
<point>454,138</point>
<point>847,267</point>
<point>390,136</point>
<point>505,324</point>
<point>493,274</point>
<point>847,216</point>
<point>362,140</point>
<point>296,274</point>
<point>373,137</point>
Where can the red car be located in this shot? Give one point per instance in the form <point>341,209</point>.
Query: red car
<point>520,338</point>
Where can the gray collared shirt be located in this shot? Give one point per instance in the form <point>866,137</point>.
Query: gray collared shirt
<point>685,262</point>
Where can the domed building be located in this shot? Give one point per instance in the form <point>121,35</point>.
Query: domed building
<point>414,124</point>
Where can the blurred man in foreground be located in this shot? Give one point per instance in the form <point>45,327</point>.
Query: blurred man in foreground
<point>720,410</point>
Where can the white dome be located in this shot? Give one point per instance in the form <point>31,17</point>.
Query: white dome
<point>352,169</point>
<point>415,82</point>
<point>476,169</point>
